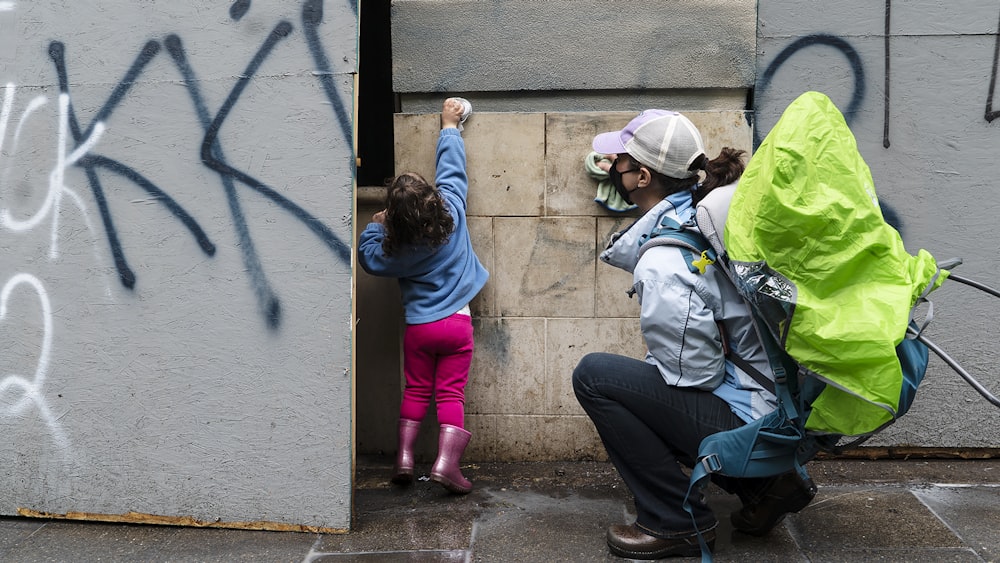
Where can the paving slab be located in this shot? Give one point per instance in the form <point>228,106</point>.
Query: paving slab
<point>972,511</point>
<point>869,519</point>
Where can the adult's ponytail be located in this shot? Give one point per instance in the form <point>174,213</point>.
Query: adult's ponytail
<point>721,171</point>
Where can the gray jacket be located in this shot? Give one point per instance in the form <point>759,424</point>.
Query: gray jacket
<point>681,311</point>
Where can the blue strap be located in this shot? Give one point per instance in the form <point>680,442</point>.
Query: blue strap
<point>764,447</point>
<point>698,475</point>
<point>698,253</point>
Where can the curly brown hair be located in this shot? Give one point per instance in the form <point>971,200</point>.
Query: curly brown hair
<point>415,214</point>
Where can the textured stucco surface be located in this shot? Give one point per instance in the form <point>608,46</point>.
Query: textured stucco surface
<point>175,322</point>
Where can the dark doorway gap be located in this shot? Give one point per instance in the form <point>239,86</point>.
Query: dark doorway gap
<point>376,101</point>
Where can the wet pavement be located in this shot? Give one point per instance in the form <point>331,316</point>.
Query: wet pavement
<point>891,511</point>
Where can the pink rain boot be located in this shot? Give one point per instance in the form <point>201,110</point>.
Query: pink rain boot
<point>402,473</point>
<point>451,444</point>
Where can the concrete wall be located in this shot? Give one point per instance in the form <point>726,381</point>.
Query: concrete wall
<point>551,74</point>
<point>175,214</point>
<point>525,55</point>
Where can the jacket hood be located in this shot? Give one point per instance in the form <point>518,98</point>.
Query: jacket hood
<point>623,249</point>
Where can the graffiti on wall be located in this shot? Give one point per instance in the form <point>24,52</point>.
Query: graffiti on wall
<point>857,67</point>
<point>83,140</point>
<point>78,146</point>
<point>25,392</point>
<point>837,43</point>
<point>990,113</point>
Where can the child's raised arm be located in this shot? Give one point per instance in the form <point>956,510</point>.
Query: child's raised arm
<point>451,175</point>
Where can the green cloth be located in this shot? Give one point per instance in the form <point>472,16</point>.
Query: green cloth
<point>607,195</point>
<point>831,278</point>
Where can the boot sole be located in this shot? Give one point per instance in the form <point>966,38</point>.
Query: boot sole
<point>673,551</point>
<point>450,485</point>
<point>402,475</point>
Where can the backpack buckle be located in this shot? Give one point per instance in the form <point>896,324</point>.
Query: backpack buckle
<point>711,463</point>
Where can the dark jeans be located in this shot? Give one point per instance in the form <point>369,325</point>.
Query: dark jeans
<point>648,429</point>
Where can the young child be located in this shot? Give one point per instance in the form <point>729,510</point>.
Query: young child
<point>421,238</point>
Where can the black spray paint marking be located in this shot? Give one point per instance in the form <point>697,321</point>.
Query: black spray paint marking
<point>266,297</point>
<point>210,159</point>
<point>856,99</point>
<point>159,195</point>
<point>325,234</point>
<point>90,161</point>
<point>885,118</point>
<point>312,17</point>
<point>239,9</point>
<point>831,41</point>
<point>211,150</point>
<point>990,114</point>
<point>57,52</point>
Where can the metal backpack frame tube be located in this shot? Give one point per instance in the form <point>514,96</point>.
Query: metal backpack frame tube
<point>918,335</point>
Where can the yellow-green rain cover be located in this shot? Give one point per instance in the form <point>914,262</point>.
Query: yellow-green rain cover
<point>831,279</point>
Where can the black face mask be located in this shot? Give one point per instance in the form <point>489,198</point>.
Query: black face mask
<point>616,181</point>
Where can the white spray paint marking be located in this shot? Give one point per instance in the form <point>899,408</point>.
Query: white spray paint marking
<point>57,181</point>
<point>32,388</point>
<point>57,188</point>
<point>5,111</point>
<point>8,102</point>
<point>7,6</point>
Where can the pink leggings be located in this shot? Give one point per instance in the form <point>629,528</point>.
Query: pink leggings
<point>436,360</point>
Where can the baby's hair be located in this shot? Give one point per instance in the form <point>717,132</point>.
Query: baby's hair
<point>415,214</point>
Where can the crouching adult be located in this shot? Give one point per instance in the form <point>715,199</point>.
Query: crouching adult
<point>652,414</point>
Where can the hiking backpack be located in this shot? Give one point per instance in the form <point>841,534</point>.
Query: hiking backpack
<point>831,290</point>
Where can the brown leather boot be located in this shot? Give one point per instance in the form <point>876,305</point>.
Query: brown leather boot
<point>789,492</point>
<point>631,542</point>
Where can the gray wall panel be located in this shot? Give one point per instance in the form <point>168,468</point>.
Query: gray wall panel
<point>176,324</point>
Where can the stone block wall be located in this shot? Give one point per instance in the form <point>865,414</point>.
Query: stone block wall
<point>543,78</point>
<point>549,300</point>
<point>916,81</point>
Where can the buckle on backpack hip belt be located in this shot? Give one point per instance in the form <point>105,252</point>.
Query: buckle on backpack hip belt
<point>711,463</point>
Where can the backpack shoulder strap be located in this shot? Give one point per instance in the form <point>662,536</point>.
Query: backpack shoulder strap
<point>711,215</point>
<point>698,253</point>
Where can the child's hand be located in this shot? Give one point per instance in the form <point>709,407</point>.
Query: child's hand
<point>379,217</point>
<point>451,113</point>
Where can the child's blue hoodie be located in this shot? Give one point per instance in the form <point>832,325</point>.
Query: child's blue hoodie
<point>435,282</point>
